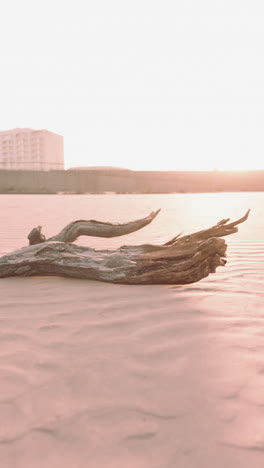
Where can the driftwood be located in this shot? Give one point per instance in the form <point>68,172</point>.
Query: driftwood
<point>72,231</point>
<point>182,260</point>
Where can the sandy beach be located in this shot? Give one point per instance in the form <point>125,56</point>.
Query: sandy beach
<point>144,118</point>
<point>100,381</point>
<point>106,376</point>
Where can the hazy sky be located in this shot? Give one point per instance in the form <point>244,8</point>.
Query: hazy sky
<point>142,84</point>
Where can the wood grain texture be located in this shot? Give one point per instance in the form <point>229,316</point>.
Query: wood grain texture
<point>182,260</point>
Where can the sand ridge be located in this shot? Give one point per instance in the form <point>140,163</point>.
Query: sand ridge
<point>128,376</point>
<point>112,376</point>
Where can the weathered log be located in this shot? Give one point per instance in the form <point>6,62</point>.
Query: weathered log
<point>182,260</point>
<point>73,230</point>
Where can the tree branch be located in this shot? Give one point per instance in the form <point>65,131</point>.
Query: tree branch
<point>75,229</point>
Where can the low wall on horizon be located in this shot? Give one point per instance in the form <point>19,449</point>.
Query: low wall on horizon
<point>125,181</point>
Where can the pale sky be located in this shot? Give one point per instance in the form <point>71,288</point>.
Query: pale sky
<point>142,84</point>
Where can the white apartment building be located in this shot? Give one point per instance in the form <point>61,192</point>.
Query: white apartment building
<point>27,149</point>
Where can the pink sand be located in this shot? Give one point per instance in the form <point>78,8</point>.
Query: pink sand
<point>99,375</point>
<point>96,375</point>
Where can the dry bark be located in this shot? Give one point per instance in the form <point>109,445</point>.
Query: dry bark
<point>91,228</point>
<point>182,260</point>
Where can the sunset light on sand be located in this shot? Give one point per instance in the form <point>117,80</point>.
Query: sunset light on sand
<point>131,234</point>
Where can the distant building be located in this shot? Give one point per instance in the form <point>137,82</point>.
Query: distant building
<point>27,149</point>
